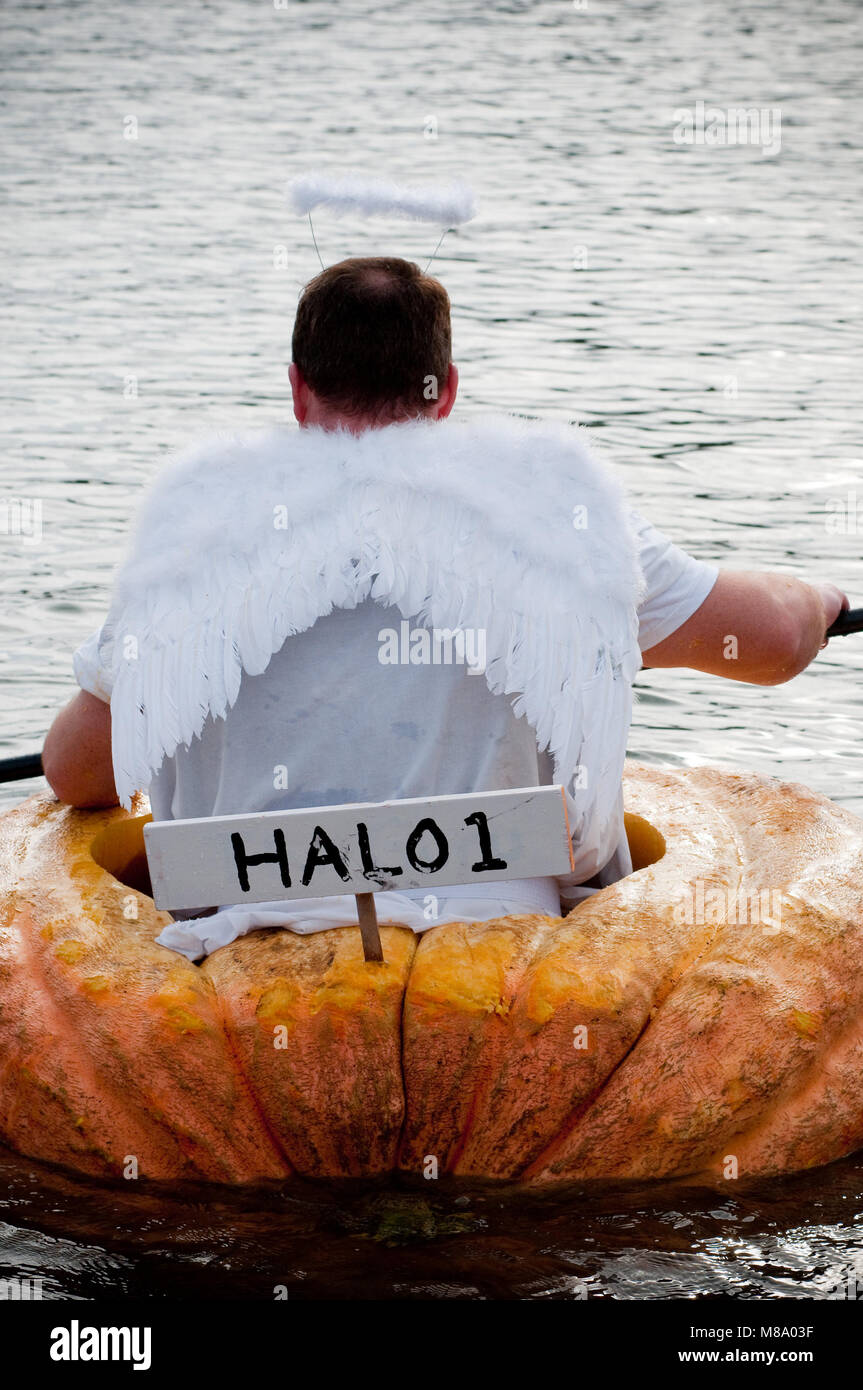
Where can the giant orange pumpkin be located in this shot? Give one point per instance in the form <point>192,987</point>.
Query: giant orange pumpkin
<point>703,1017</point>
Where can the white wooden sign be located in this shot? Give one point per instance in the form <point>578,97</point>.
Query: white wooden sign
<point>366,847</point>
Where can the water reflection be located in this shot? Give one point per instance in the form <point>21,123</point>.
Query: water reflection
<point>798,1237</point>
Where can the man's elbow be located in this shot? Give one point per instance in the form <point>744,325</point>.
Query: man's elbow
<point>794,641</point>
<point>69,786</point>
<point>55,772</point>
<point>781,674</point>
<point>76,756</point>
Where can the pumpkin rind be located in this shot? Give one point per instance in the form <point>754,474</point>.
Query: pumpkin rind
<point>317,1034</point>
<point>138,1067</point>
<point>629,1040</point>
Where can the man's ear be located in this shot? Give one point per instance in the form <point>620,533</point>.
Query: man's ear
<point>446,398</point>
<point>300,392</point>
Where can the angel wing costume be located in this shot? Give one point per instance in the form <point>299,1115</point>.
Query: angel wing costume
<point>495,526</point>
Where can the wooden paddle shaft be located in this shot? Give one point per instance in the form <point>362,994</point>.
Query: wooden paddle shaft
<point>368,920</point>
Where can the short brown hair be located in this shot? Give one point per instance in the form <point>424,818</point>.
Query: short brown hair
<point>369,332</point>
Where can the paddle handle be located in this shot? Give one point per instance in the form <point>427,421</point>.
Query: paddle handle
<point>17,769</point>
<point>850,620</point>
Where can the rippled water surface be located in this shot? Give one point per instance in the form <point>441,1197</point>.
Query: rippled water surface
<point>790,1239</point>
<point>696,306</point>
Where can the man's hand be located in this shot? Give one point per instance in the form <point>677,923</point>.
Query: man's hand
<point>761,628</point>
<point>835,602</point>
<point>77,753</point>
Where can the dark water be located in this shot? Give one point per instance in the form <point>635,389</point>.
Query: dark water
<point>798,1238</point>
<point>697,306</point>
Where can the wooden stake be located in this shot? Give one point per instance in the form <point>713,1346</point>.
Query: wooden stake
<point>368,919</point>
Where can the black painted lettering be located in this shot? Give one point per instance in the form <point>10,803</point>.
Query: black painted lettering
<point>322,851</point>
<point>370,869</point>
<point>427,866</point>
<point>489,860</point>
<point>246,861</point>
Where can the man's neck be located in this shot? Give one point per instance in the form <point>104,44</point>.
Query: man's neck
<point>357,424</point>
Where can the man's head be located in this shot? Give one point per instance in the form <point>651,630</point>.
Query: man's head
<point>372,345</point>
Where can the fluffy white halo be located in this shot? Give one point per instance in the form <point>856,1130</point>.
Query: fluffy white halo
<point>373,197</point>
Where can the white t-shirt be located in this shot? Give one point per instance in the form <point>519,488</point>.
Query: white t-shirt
<point>329,722</point>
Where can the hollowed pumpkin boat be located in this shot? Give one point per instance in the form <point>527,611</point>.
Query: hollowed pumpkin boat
<point>702,1018</point>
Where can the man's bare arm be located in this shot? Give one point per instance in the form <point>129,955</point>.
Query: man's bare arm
<point>77,753</point>
<point>761,628</point>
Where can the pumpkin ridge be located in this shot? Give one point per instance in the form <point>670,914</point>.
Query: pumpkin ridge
<point>740,1024</point>
<point>664,991</point>
<point>495,1045</point>
<point>93,1079</point>
<point>800,1131</point>
<point>319,1031</point>
<point>457,1028</point>
<point>157,1084</point>
<point>777,1145</point>
<point>545,1158</point>
<point>244,1079</point>
<point>399,1139</point>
